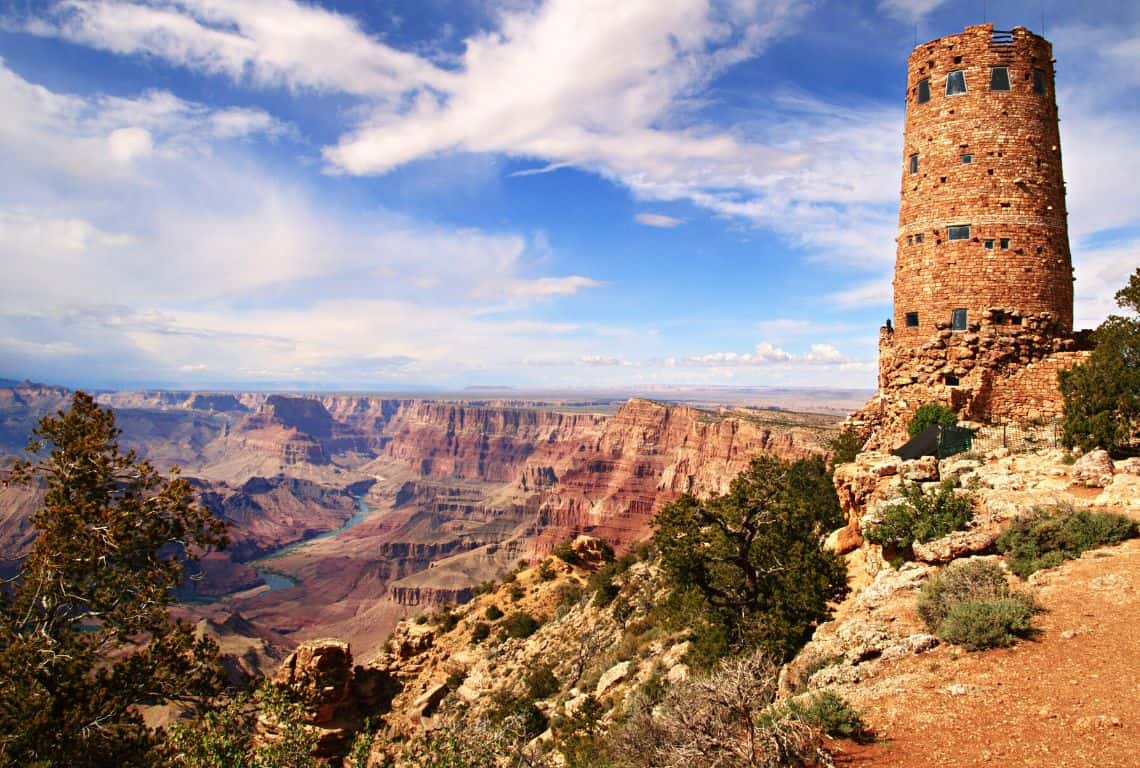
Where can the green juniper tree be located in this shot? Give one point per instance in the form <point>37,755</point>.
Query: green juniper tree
<point>748,564</point>
<point>86,635</point>
<point>1102,395</point>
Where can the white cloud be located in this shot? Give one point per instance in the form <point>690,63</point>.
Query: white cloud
<point>911,11</point>
<point>266,42</point>
<point>658,220</point>
<point>170,236</point>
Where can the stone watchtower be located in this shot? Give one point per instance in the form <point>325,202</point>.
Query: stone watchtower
<point>983,287</point>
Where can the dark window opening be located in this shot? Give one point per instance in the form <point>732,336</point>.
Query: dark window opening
<point>960,232</point>
<point>911,319</point>
<point>918,238</point>
<point>999,317</point>
<point>967,159</point>
<point>957,59</point>
<point>956,83</point>
<point>910,239</point>
<point>1004,243</point>
<point>1039,81</point>
<point>912,164</point>
<point>999,79</point>
<point>1015,321</point>
<point>952,381</point>
<point>958,320</point>
<point>923,90</point>
<point>989,245</point>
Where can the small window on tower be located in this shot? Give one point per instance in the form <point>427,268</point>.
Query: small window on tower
<point>910,239</point>
<point>911,319</point>
<point>999,79</point>
<point>918,238</point>
<point>967,159</point>
<point>912,163</point>
<point>956,83</point>
<point>952,381</point>
<point>958,320</point>
<point>1004,242</point>
<point>989,244</point>
<point>960,232</point>
<point>923,90</point>
<point>1039,81</point>
<point>999,317</point>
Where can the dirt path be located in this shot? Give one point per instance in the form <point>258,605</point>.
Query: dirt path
<point>1069,698</point>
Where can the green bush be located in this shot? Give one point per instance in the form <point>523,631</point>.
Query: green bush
<point>480,632</point>
<point>922,515</point>
<point>1048,537</point>
<point>930,414</point>
<point>834,716</point>
<point>493,613</point>
<point>565,552</point>
<point>516,593</point>
<point>971,604</point>
<point>546,571</point>
<point>520,624</point>
<point>541,682</point>
<point>845,446</point>
<point>981,624</point>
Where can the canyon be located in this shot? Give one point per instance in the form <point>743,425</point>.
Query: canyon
<point>348,513</point>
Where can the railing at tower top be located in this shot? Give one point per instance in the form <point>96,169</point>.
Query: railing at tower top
<point>1001,37</point>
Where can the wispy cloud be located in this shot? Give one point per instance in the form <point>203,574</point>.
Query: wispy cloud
<point>659,220</point>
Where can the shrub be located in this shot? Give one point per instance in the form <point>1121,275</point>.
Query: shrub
<point>725,718</point>
<point>520,624</point>
<point>493,613</point>
<point>930,414</point>
<point>980,624</point>
<point>565,552</point>
<point>546,570</point>
<point>832,714</point>
<point>922,515</point>
<point>224,736</point>
<point>1048,537</point>
<point>970,603</point>
<point>845,446</point>
<point>569,594</point>
<point>516,593</point>
<point>541,682</point>
<point>480,632</point>
<point>444,619</point>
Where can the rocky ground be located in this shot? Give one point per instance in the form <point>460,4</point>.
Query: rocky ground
<point>1068,697</point>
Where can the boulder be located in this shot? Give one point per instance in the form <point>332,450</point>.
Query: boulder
<point>612,677</point>
<point>957,544</point>
<point>319,675</point>
<point>1093,470</point>
<point>921,470</point>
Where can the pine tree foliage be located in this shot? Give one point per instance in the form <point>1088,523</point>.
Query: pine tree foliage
<point>1102,395</point>
<point>86,635</point>
<point>752,557</point>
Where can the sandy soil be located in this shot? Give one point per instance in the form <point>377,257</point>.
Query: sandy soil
<point>1070,697</point>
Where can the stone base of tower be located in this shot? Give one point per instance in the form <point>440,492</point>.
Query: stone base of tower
<point>1002,369</point>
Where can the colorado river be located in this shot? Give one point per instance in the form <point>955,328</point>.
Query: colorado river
<point>275,580</point>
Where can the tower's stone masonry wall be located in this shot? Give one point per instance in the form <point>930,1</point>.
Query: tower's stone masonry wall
<point>990,372</point>
<point>988,159</point>
<point>1012,192</point>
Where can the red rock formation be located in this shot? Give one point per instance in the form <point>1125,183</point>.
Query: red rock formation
<point>648,454</point>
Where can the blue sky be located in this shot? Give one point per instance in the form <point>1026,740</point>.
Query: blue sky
<point>568,193</point>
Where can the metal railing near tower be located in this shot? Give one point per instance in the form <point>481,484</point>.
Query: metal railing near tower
<point>1019,437</point>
